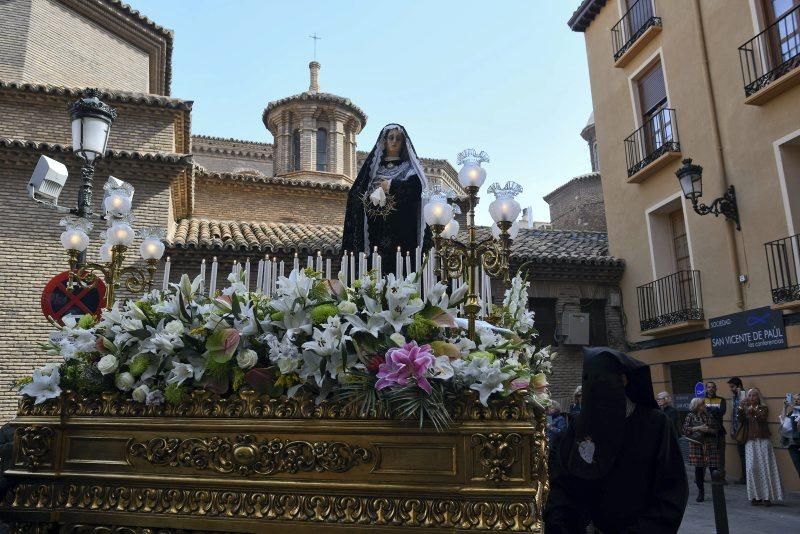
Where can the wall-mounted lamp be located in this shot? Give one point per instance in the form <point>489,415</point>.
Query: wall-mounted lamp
<point>691,179</point>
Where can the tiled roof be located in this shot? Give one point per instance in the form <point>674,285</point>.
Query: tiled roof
<point>540,246</point>
<point>113,154</point>
<point>276,180</point>
<point>274,237</point>
<point>322,97</point>
<point>585,14</point>
<point>123,97</point>
<point>582,177</point>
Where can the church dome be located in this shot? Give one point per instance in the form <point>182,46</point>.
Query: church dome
<point>315,132</point>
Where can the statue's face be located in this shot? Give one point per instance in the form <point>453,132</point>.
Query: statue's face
<point>394,143</point>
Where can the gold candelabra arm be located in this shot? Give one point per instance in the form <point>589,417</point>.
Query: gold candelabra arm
<point>453,258</point>
<point>494,256</point>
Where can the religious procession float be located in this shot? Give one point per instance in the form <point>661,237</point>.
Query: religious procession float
<point>365,402</point>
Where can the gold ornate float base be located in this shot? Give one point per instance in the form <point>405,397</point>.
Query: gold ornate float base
<point>251,464</point>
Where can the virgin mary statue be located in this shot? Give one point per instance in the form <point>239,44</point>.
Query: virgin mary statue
<point>384,206</point>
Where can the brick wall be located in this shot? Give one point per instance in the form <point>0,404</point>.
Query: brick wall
<point>233,164</point>
<point>44,41</point>
<point>30,252</point>
<point>44,118</point>
<point>237,201</point>
<point>578,205</point>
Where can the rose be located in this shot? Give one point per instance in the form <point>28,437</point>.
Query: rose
<point>124,381</point>
<point>140,393</point>
<point>247,358</point>
<point>107,364</point>
<point>174,327</point>
<point>347,307</point>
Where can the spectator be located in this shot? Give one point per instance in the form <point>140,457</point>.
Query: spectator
<point>618,464</point>
<point>701,430</point>
<point>717,407</point>
<point>737,389</point>
<point>575,407</point>
<point>665,403</point>
<point>763,480</point>
<point>790,430</point>
<point>556,423</point>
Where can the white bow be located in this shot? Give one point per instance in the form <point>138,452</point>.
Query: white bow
<point>378,197</point>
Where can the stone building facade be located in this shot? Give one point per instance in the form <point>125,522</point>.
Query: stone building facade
<point>225,198</point>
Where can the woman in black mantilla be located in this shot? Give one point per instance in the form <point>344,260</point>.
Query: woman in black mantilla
<point>384,206</point>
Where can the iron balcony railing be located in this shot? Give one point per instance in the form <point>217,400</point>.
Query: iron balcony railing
<point>669,300</point>
<point>772,53</point>
<point>632,25</point>
<point>783,266</point>
<point>657,136</point>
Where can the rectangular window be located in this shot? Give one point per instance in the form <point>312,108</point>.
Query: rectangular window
<point>596,308</point>
<point>784,37</point>
<point>656,123</point>
<point>545,319</point>
<point>639,12</point>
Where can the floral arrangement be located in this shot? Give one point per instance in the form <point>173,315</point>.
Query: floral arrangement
<point>376,343</point>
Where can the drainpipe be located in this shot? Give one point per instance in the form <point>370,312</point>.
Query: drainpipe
<point>733,251</point>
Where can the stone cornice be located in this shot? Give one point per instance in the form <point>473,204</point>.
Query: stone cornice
<point>24,145</point>
<point>305,99</point>
<point>107,95</point>
<point>202,173</point>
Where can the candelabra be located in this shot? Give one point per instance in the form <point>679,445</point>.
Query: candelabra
<point>456,258</point>
<point>119,237</point>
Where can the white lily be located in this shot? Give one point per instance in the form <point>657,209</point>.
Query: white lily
<point>43,386</point>
<point>491,381</point>
<point>179,373</point>
<point>401,315</point>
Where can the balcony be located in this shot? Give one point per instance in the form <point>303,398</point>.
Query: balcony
<point>671,304</point>
<point>770,59</point>
<point>652,146</point>
<point>783,266</point>
<point>637,27</point>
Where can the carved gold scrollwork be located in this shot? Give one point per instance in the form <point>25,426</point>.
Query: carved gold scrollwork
<point>246,455</point>
<point>498,453</point>
<point>513,514</point>
<point>35,444</point>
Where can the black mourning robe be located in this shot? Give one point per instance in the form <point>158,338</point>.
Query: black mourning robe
<point>642,486</point>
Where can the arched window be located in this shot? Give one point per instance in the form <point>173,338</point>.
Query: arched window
<point>322,150</point>
<point>296,150</point>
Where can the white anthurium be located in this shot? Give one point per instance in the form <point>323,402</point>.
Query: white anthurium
<point>43,386</point>
<point>401,315</point>
<point>179,373</point>
<point>491,381</point>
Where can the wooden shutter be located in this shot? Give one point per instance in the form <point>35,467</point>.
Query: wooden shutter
<point>652,91</point>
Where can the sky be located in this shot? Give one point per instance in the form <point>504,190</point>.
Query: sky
<point>507,77</point>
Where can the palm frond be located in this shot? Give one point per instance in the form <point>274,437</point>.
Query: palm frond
<point>412,402</point>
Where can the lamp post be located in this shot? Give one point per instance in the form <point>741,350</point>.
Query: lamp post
<point>456,259</point>
<point>119,237</point>
<point>690,177</point>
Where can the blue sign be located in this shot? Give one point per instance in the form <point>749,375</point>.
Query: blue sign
<point>749,331</point>
<point>699,390</point>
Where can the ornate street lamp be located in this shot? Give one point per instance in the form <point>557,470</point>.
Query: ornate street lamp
<point>456,259</point>
<point>690,177</point>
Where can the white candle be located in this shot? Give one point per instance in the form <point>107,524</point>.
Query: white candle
<point>408,263</point>
<point>417,259</point>
<point>328,268</point>
<point>375,259</point>
<point>235,268</point>
<point>295,265</point>
<point>259,276</point>
<point>309,262</point>
<point>167,266</point>
<point>352,268</point>
<point>343,267</point>
<point>398,264</point>
<point>212,283</point>
<point>247,275</point>
<point>380,266</point>
<point>283,269</point>
<point>319,262</point>
<point>203,276</point>
<point>267,276</point>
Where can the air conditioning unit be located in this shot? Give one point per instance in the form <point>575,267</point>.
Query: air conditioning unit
<point>575,326</point>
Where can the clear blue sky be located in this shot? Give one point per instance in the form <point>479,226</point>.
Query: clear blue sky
<point>507,77</point>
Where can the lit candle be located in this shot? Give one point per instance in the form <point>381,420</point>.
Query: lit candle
<point>375,259</point>
<point>167,266</point>
<point>352,268</point>
<point>408,263</point>
<point>267,276</point>
<point>343,267</point>
<point>235,268</point>
<point>282,269</point>
<point>295,265</point>
<point>319,262</point>
<point>309,262</point>
<point>212,283</point>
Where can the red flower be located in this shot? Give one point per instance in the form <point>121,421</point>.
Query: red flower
<point>374,363</point>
